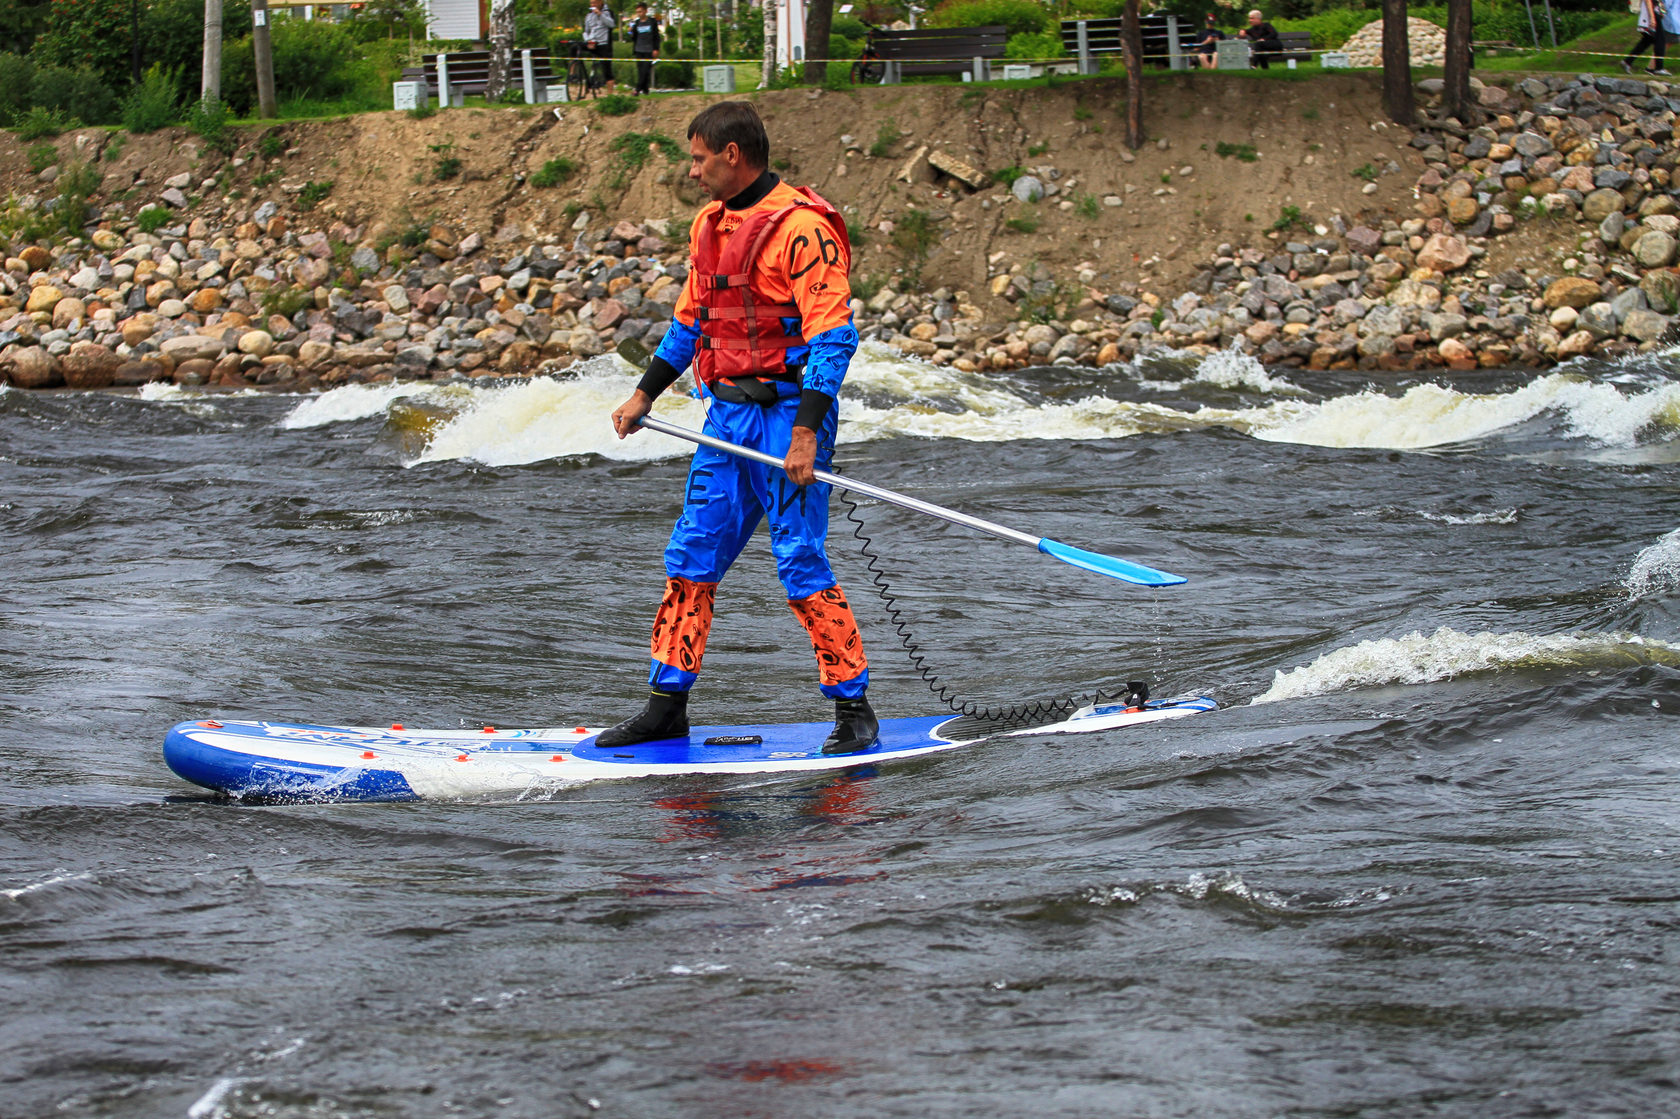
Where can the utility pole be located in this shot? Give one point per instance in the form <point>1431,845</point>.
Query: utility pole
<point>210,87</point>
<point>1398,101</point>
<point>262,53</point>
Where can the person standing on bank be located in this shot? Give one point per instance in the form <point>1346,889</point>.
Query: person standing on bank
<point>598,24</point>
<point>643,33</point>
<point>1651,34</point>
<point>764,316</point>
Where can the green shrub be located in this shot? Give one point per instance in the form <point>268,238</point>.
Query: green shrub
<point>1289,217</point>
<point>39,122</point>
<point>885,137</point>
<point>1008,175</point>
<point>172,36</point>
<point>673,73</point>
<point>17,74</point>
<point>42,156</point>
<point>315,61</point>
<point>447,165</point>
<point>421,112</point>
<point>615,105</point>
<point>1027,223</point>
<point>1043,44</point>
<point>94,35</point>
<point>209,119</point>
<point>153,104</point>
<point>79,93</point>
<point>313,193</point>
<point>406,19</point>
<point>553,173</point>
<point>632,150</point>
<point>1022,17</point>
<point>70,210</point>
<point>114,148</point>
<point>153,218</point>
<point>1244,153</point>
<point>272,146</point>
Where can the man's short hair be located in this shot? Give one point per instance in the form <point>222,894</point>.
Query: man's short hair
<point>1256,14</point>
<point>733,122</point>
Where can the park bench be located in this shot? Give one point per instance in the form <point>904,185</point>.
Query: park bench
<point>940,50</point>
<point>469,72</point>
<point>1167,40</point>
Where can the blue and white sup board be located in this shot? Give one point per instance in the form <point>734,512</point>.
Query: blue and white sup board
<point>301,762</point>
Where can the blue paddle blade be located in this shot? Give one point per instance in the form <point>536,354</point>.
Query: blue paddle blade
<point>1108,565</point>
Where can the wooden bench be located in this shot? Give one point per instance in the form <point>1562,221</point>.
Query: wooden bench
<point>469,71</point>
<point>941,50</point>
<point>1167,40</point>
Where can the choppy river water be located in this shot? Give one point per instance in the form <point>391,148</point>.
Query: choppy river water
<point>1425,860</point>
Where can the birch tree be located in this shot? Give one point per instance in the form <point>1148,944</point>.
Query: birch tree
<point>501,50</point>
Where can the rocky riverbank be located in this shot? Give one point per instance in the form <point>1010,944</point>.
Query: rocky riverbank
<point>1584,167</point>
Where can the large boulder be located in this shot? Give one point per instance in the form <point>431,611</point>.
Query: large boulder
<point>43,298</point>
<point>89,365</point>
<point>1443,254</point>
<point>193,347</point>
<point>31,367</point>
<point>1662,290</point>
<point>1601,203</point>
<point>1654,249</point>
<point>1571,291</point>
<point>1644,326</point>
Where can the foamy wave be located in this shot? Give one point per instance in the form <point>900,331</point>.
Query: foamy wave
<point>940,402</point>
<point>1233,369</point>
<point>1419,659</point>
<point>165,391</point>
<point>1656,570</point>
<point>354,402</point>
<point>1497,517</point>
<point>543,418</point>
<point>1433,416</point>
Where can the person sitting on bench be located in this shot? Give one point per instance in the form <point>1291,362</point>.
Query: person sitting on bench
<point>1207,44</point>
<point>1263,41</point>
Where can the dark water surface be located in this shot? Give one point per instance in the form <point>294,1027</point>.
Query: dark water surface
<point>1437,872</point>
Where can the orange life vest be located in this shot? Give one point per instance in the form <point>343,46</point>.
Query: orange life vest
<point>741,332</point>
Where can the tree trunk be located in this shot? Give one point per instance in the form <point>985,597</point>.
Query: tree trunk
<point>769,44</point>
<point>262,59</point>
<point>819,24</point>
<point>1457,93</point>
<point>1131,48</point>
<point>501,49</point>
<point>210,87</point>
<point>1397,64</point>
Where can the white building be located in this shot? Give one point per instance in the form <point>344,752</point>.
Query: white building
<point>458,19</point>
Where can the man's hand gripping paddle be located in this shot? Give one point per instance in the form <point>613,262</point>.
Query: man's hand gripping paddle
<point>1115,568</point>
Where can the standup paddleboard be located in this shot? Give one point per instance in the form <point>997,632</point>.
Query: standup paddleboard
<point>301,762</point>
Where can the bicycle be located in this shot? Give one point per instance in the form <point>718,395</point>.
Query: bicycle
<point>582,79</point>
<point>869,69</point>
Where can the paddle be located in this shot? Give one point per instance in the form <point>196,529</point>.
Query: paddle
<point>1111,566</point>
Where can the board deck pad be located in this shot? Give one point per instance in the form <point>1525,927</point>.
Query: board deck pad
<point>308,762</point>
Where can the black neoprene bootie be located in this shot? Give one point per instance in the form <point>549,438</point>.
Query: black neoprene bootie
<point>665,716</point>
<point>855,727</point>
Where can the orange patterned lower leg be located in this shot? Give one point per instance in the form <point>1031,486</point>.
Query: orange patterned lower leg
<point>827,617</point>
<point>683,621</point>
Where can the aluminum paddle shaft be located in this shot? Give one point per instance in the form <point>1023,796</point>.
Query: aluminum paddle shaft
<point>1111,566</point>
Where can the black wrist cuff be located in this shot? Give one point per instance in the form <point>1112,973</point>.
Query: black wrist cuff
<point>813,409</point>
<point>660,376</point>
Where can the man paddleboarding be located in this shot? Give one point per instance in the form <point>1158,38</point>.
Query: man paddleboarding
<point>764,317</point>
